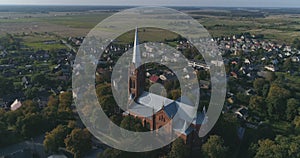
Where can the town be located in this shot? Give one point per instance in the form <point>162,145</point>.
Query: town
<point>38,82</point>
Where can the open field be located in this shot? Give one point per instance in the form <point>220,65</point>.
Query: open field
<point>148,34</point>
<point>284,27</point>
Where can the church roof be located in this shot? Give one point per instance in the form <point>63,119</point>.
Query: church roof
<point>136,60</point>
<point>150,103</point>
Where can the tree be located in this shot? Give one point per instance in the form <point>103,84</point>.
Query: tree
<point>281,147</point>
<point>288,64</point>
<point>108,104</point>
<point>226,128</point>
<point>31,93</point>
<point>214,147</point>
<point>176,93</point>
<point>179,149</point>
<point>52,101</point>
<point>78,142</point>
<point>55,138</point>
<point>296,43</point>
<point>258,85</point>
<point>6,86</point>
<point>268,149</point>
<point>276,100</point>
<point>292,108</point>
<point>296,122</point>
<point>133,124</point>
<point>65,100</point>
<point>258,105</point>
<point>39,79</point>
<point>110,153</point>
<point>270,76</point>
<point>243,98</point>
<point>31,125</point>
<point>103,89</point>
<point>29,106</point>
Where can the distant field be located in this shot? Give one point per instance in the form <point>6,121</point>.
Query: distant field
<point>147,35</point>
<point>277,26</point>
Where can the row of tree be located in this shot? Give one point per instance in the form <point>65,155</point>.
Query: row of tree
<point>213,148</point>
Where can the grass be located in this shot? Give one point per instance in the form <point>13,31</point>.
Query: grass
<point>283,28</point>
<point>279,28</point>
<point>147,35</point>
<point>77,21</point>
<point>36,42</point>
<point>40,46</point>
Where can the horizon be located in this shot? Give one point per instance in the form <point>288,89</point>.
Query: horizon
<point>116,5</point>
<point>166,3</point>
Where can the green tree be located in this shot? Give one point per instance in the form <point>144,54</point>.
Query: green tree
<point>78,142</point>
<point>288,64</point>
<point>103,89</point>
<point>258,85</point>
<point>52,101</point>
<point>268,149</point>
<point>133,124</point>
<point>296,122</point>
<point>110,153</point>
<point>292,108</point>
<point>281,147</point>
<point>296,43</point>
<point>258,105</point>
<point>31,125</point>
<point>6,86</point>
<point>176,93</point>
<point>65,100</point>
<point>108,104</point>
<point>243,98</point>
<point>39,79</point>
<point>55,138</point>
<point>270,76</point>
<point>179,149</point>
<point>214,147</point>
<point>31,93</point>
<point>276,101</point>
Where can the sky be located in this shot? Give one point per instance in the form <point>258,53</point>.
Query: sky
<point>211,3</point>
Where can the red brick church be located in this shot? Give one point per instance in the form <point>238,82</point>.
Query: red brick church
<point>156,111</point>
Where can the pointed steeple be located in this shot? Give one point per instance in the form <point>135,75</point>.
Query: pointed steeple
<point>136,60</point>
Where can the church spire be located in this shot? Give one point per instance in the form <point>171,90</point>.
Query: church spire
<point>136,60</point>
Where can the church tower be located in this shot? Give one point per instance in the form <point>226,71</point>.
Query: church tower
<point>136,72</point>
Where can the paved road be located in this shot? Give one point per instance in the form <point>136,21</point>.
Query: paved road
<point>35,144</point>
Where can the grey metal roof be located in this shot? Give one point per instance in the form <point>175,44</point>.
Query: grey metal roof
<point>150,103</point>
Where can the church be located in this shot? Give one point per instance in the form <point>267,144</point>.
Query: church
<point>155,110</point>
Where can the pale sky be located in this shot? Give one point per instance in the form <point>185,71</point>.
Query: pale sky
<point>212,3</point>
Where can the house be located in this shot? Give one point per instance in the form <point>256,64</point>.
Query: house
<point>242,113</point>
<point>270,68</point>
<point>15,105</point>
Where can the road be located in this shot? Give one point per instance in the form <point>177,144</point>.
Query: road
<point>35,144</point>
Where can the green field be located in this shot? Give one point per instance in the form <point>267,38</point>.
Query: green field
<point>280,28</point>
<point>147,35</point>
<point>37,42</point>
